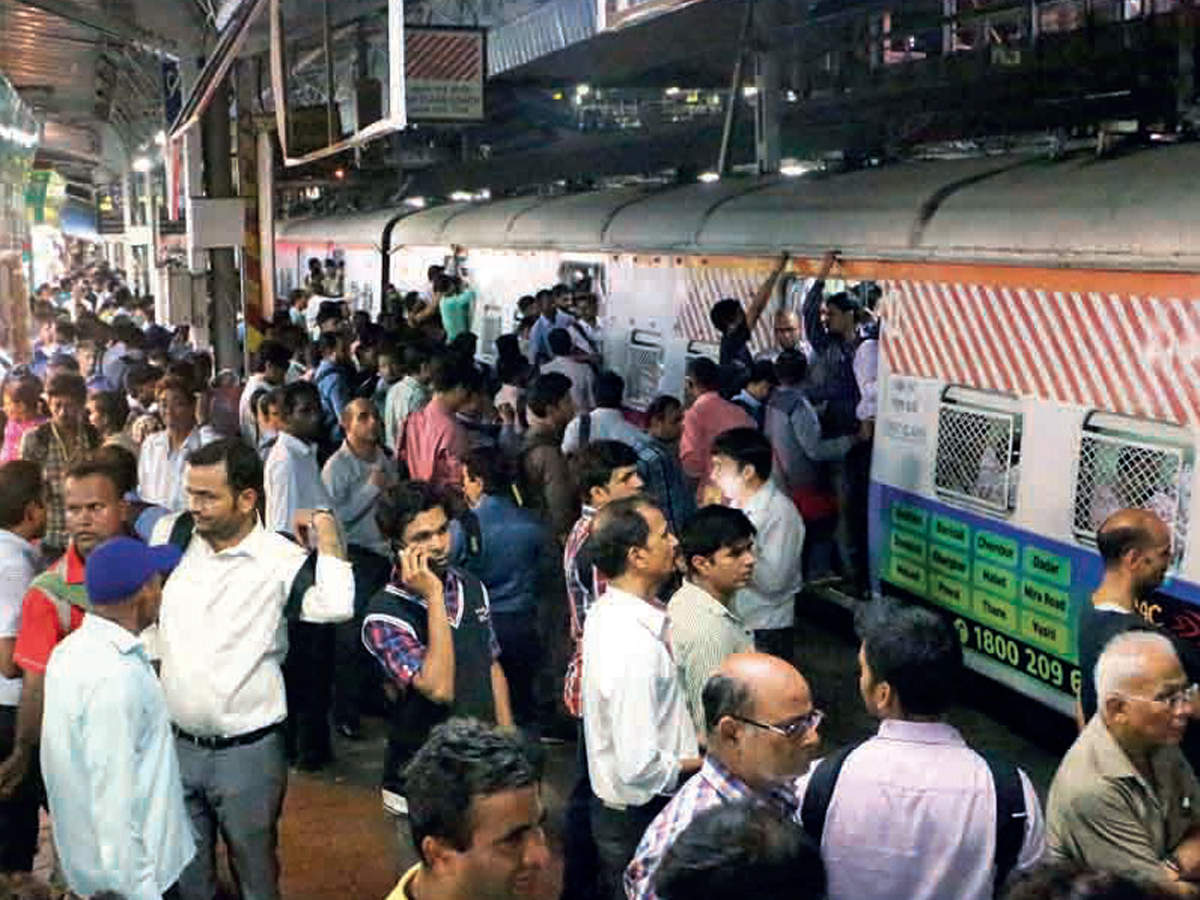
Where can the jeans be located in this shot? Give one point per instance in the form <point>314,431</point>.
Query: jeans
<point>617,834</point>
<point>238,792</point>
<point>19,814</point>
<point>520,658</point>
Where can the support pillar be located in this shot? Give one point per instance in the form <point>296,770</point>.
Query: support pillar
<point>254,308</point>
<point>767,108</point>
<point>218,183</point>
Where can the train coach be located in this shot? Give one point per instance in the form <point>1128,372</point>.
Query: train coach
<point>1040,364</point>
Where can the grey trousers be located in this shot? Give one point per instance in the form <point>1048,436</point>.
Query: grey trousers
<point>238,793</point>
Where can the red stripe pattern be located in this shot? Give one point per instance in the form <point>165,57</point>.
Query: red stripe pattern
<point>1139,356</point>
<point>705,286</point>
<point>443,55</point>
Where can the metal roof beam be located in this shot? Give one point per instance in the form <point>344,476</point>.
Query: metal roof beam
<point>111,27</point>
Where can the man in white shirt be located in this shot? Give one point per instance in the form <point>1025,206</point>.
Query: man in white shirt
<point>741,468</point>
<point>914,812</point>
<point>580,373</point>
<point>640,740</point>
<point>22,520</point>
<point>604,423</point>
<point>222,639</point>
<point>163,456</point>
<point>409,394</point>
<point>273,359</point>
<point>108,758</point>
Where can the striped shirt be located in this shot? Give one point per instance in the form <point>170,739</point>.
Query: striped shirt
<point>582,590</point>
<point>703,632</point>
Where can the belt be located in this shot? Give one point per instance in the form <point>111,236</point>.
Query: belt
<point>224,743</point>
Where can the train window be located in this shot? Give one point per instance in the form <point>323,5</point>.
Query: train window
<point>1132,463</point>
<point>644,368</point>
<point>491,326</point>
<point>978,451</point>
<point>697,349</point>
<point>584,277</point>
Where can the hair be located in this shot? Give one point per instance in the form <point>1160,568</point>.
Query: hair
<point>328,341</point>
<point>1070,881</point>
<point>620,528</point>
<point>546,391</point>
<point>763,370</point>
<point>122,463</point>
<point>705,372</point>
<point>661,405</point>
<point>746,447</point>
<point>844,301</point>
<point>176,384</point>
<point>724,313</point>
<point>403,502</point>
<point>791,367</point>
<point>710,529</point>
<point>462,760</point>
<point>26,390</point>
<point>141,375</point>
<point>596,462</point>
<point>723,696</point>
<point>1123,658</point>
<point>63,361</point>
<point>915,651</point>
<point>20,485</point>
<point>1115,541</point>
<point>257,397</point>
<point>67,384</point>
<point>490,467</point>
<point>741,849</point>
<point>559,341</point>
<point>273,353</point>
<point>91,467</point>
<point>113,407</point>
<point>292,393</point>
<point>450,372</point>
<point>608,390</point>
<point>243,468</point>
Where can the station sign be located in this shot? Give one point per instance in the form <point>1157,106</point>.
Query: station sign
<point>444,70</point>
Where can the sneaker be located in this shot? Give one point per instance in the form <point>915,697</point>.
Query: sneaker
<point>393,803</point>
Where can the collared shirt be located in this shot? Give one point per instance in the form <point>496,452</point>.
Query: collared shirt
<point>1103,814</point>
<point>539,335</point>
<point>581,379</point>
<point>582,590</point>
<point>831,384</point>
<point>456,313</point>
<point>703,632</point>
<point>913,815</point>
<point>46,446</point>
<point>354,497</point>
<point>247,421</point>
<point>866,374</point>
<point>794,430</point>
<point>108,760</point>
<point>707,417</point>
<point>635,720</point>
<point>161,469</point>
<point>41,624</point>
<point>403,887</point>
<point>292,482</point>
<point>660,471</point>
<point>434,445</point>
<point>712,786</point>
<point>515,554</point>
<point>769,600</point>
<point>222,633</point>
<point>404,398</point>
<point>18,565</point>
<point>606,424</point>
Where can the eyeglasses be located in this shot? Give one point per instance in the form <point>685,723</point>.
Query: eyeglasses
<point>1185,696</point>
<point>791,728</point>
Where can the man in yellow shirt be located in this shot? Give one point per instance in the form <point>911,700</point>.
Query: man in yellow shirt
<point>476,814</point>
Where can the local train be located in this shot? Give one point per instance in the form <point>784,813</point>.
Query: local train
<point>1040,364</point>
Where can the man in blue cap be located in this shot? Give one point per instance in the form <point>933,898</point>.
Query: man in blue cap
<point>108,755</point>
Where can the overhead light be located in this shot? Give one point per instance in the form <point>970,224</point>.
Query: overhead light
<point>462,196</point>
<point>672,92</point>
<point>485,194</point>
<point>708,177</point>
<point>160,138</point>
<point>339,173</point>
<point>792,171</point>
<point>582,90</point>
<point>558,95</point>
<point>749,91</point>
<point>791,96</point>
<point>415,202</point>
<point>143,164</point>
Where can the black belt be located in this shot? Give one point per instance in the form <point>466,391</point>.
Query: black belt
<point>224,743</point>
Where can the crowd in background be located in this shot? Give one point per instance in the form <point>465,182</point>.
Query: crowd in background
<point>202,579</point>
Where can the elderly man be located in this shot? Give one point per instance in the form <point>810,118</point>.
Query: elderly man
<point>762,734</point>
<point>1124,799</point>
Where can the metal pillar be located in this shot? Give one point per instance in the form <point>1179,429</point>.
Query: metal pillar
<point>735,90</point>
<point>767,109</point>
<point>254,312</point>
<point>218,183</point>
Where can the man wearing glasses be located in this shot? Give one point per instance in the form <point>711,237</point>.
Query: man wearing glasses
<point>1124,799</point>
<point>761,735</point>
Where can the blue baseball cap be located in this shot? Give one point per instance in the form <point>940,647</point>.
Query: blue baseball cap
<point>118,568</point>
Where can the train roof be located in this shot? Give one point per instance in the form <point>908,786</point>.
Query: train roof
<point>1137,210</point>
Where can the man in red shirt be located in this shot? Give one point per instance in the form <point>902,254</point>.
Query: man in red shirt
<point>434,443</point>
<point>56,601</point>
<point>708,416</point>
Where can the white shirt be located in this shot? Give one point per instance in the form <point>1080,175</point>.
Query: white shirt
<point>247,421</point>
<point>221,630</point>
<point>581,379</point>
<point>354,497</point>
<point>161,470</point>
<point>18,565</point>
<point>913,815</point>
<point>769,601</point>
<point>866,373</point>
<point>108,760</point>
<point>292,482</point>
<point>635,719</point>
<point>607,425</point>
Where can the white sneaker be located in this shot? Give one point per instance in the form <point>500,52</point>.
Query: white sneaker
<point>394,804</point>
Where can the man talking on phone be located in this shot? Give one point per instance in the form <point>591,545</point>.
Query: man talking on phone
<point>431,630</point>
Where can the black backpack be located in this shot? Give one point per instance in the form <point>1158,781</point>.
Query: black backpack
<point>1010,806</point>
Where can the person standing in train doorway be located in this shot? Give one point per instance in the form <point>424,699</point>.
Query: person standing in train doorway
<point>736,327</point>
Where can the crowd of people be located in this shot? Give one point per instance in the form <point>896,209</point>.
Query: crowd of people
<point>204,579</point>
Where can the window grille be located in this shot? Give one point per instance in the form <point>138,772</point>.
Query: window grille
<point>644,369</point>
<point>490,328</point>
<point>978,453</point>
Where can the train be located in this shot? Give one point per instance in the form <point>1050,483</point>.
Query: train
<point>1039,365</point>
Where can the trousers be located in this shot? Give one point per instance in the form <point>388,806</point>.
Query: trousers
<point>617,833</point>
<point>19,814</point>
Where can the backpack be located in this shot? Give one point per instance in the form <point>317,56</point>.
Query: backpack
<point>1010,805</point>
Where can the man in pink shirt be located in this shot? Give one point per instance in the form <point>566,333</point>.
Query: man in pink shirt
<point>707,416</point>
<point>434,443</point>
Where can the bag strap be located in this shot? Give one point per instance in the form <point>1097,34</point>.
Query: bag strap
<point>305,579</point>
<point>181,531</point>
<point>1011,815</point>
<point>820,791</point>
<point>585,430</point>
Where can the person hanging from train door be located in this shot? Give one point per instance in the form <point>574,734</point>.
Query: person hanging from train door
<point>736,327</point>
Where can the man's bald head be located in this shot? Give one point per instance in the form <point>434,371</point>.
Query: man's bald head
<point>764,675</point>
<point>1129,529</point>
